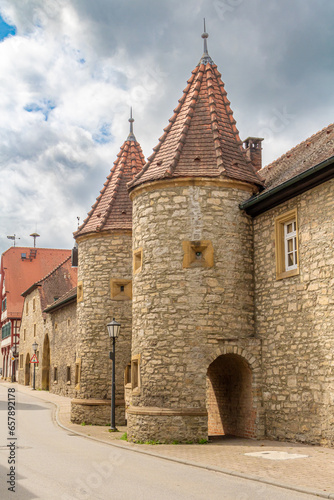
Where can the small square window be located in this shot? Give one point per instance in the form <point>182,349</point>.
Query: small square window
<point>121,289</point>
<point>55,374</point>
<point>197,254</point>
<point>68,374</point>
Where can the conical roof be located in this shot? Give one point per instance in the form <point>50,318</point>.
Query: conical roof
<point>201,139</point>
<point>113,207</point>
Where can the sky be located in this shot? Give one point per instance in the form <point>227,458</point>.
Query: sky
<point>71,69</point>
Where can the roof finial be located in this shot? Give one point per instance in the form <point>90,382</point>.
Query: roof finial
<point>131,136</point>
<point>205,59</point>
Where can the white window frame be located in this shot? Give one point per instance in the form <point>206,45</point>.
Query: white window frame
<point>292,235</point>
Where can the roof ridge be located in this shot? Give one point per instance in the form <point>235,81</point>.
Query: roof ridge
<point>214,122</point>
<point>294,148</point>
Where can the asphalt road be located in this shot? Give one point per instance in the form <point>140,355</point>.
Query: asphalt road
<point>52,464</point>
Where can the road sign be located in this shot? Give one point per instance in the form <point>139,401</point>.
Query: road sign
<point>34,359</point>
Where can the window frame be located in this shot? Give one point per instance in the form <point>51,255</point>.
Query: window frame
<point>283,270</point>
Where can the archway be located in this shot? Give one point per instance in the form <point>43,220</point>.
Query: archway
<point>46,364</point>
<point>27,370</point>
<point>230,397</point>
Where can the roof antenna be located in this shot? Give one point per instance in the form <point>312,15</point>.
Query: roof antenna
<point>13,237</point>
<point>205,59</point>
<point>35,235</point>
<point>131,136</point>
<point>78,219</point>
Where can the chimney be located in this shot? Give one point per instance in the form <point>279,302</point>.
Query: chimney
<point>253,149</point>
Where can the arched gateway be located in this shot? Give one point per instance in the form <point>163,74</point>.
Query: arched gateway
<point>230,397</point>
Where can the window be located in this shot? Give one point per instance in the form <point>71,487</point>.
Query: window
<point>290,243</point>
<point>80,292</point>
<point>27,307</point>
<point>121,289</point>
<point>24,334</point>
<point>34,304</point>
<point>286,245</point>
<point>77,373</point>
<point>55,374</point>
<point>197,254</point>
<point>21,361</point>
<point>127,374</point>
<point>35,329</point>
<point>135,375</point>
<point>137,260</point>
<point>68,375</point>
<point>68,322</point>
<point>4,304</point>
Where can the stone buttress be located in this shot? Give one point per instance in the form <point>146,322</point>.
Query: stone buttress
<point>193,268</point>
<point>105,291</point>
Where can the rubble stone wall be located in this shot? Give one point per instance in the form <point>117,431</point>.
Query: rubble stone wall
<point>295,319</point>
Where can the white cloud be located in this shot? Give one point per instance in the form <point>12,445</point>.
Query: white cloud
<point>75,67</point>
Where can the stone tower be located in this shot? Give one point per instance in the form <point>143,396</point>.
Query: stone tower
<point>105,290</point>
<point>193,311</point>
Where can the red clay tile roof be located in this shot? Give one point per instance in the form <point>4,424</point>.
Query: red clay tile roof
<point>20,273</point>
<point>56,283</point>
<point>201,139</point>
<point>113,207</point>
<point>316,149</point>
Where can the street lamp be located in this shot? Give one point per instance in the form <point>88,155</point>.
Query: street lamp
<point>34,348</point>
<point>113,329</point>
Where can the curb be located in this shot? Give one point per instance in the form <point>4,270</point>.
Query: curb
<point>278,484</point>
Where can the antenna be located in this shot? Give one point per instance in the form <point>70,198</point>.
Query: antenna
<point>78,219</point>
<point>13,237</point>
<point>35,235</point>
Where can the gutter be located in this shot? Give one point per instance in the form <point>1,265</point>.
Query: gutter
<point>308,179</point>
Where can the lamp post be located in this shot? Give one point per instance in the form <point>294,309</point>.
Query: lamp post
<point>113,329</point>
<point>34,348</point>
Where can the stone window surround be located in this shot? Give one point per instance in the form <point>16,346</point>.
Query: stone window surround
<point>80,291</point>
<point>127,376</point>
<point>137,260</point>
<point>191,248</point>
<point>135,374</point>
<point>116,292</point>
<point>68,374</point>
<point>77,373</point>
<point>55,374</point>
<point>280,223</point>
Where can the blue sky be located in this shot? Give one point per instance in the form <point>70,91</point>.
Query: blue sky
<point>72,69</point>
<point>6,29</point>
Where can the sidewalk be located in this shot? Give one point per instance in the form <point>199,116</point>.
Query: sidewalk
<point>312,474</point>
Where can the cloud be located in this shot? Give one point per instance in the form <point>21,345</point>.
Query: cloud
<point>74,68</point>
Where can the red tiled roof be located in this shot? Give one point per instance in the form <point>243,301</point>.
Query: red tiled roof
<point>56,283</point>
<point>113,207</point>
<point>201,139</point>
<point>20,273</point>
<point>309,153</point>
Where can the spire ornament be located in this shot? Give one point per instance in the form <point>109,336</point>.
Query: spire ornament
<point>205,59</point>
<point>131,136</point>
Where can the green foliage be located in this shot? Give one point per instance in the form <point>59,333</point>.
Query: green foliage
<point>83,423</point>
<point>203,441</point>
<point>124,436</point>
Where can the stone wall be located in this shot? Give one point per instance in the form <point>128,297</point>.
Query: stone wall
<point>186,306</point>
<point>31,315</point>
<point>105,260</point>
<point>62,332</point>
<point>295,319</point>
